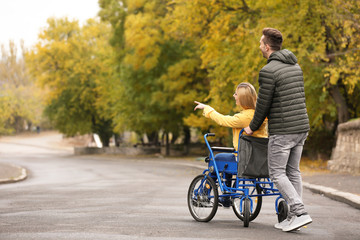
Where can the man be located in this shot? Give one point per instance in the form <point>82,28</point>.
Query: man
<point>281,99</point>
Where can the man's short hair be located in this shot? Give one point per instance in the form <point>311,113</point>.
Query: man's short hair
<point>273,38</point>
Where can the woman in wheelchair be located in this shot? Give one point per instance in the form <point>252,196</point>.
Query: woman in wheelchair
<point>245,98</point>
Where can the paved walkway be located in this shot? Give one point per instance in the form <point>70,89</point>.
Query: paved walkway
<point>339,181</point>
<point>11,173</point>
<point>340,187</point>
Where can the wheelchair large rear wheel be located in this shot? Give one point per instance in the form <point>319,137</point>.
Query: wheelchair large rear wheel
<point>203,198</point>
<point>256,200</point>
<point>283,210</point>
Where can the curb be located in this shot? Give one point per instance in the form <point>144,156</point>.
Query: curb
<point>22,176</point>
<point>345,197</point>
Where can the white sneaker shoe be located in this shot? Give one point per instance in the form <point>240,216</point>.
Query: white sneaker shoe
<point>282,224</point>
<point>297,222</point>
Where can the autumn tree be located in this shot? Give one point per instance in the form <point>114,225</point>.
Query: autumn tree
<point>20,99</point>
<point>159,76</point>
<point>200,50</point>
<point>73,64</point>
<point>323,35</point>
<point>223,33</point>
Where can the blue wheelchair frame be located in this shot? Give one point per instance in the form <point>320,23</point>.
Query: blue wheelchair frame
<point>217,169</point>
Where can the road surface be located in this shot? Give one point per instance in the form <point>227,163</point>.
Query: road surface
<point>117,197</point>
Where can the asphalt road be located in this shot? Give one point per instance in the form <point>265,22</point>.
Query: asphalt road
<point>102,197</point>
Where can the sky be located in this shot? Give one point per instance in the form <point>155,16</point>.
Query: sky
<point>24,19</point>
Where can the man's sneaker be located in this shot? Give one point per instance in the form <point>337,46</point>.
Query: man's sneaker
<point>297,222</point>
<point>282,224</point>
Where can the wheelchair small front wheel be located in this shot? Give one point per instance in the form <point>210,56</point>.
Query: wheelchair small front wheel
<point>202,198</point>
<point>257,202</point>
<point>246,211</point>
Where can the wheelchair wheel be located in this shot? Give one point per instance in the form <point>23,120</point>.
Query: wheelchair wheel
<point>202,198</point>
<point>257,202</point>
<point>246,212</point>
<point>283,210</point>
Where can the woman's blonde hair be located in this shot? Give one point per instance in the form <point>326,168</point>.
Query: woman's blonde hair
<point>247,96</point>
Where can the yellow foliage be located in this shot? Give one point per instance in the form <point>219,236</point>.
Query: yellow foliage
<point>143,35</point>
<point>20,100</point>
<point>133,5</point>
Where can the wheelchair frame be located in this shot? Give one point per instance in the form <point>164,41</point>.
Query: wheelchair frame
<point>244,193</point>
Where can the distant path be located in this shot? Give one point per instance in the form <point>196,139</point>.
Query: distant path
<point>43,142</point>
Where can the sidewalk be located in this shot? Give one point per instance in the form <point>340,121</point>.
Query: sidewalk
<point>340,187</point>
<point>11,173</point>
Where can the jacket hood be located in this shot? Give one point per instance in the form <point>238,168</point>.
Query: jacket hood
<point>284,56</point>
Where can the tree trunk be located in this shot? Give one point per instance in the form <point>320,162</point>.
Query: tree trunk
<point>341,106</point>
<point>104,129</point>
<point>117,139</point>
<point>167,144</point>
<point>187,137</point>
<point>105,138</point>
<point>153,138</point>
<point>18,124</point>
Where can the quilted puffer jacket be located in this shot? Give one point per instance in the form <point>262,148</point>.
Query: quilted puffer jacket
<point>281,96</point>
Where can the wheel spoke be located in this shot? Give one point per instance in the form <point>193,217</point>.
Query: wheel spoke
<point>202,198</point>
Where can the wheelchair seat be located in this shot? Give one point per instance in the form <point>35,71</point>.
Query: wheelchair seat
<point>225,165</point>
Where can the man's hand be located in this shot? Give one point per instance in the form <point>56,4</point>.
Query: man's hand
<point>248,131</point>
<point>199,105</point>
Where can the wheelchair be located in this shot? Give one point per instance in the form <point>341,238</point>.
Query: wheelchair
<point>245,191</point>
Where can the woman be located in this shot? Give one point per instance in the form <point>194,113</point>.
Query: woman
<point>245,97</point>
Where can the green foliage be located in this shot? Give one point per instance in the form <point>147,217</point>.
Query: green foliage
<point>73,64</point>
